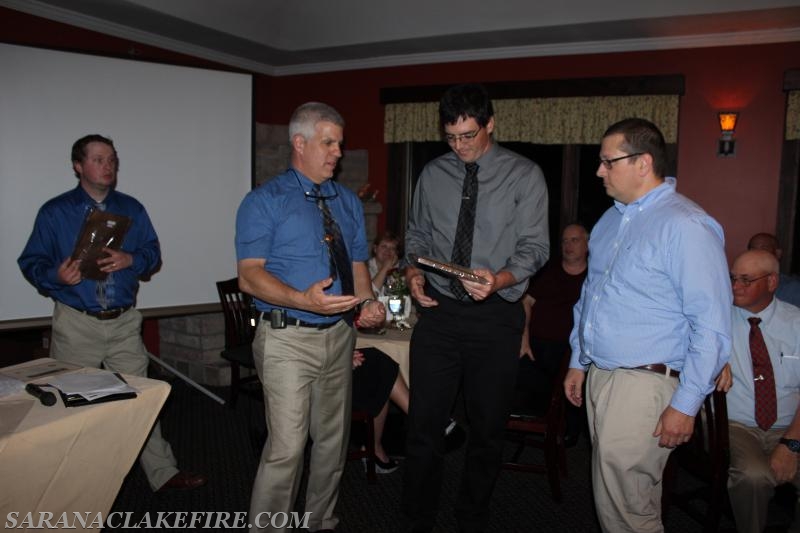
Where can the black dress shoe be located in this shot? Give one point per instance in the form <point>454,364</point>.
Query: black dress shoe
<point>454,439</point>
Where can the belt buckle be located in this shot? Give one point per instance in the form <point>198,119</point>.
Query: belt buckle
<point>109,314</point>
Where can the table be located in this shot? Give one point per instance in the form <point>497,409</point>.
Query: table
<point>394,343</point>
<point>58,459</point>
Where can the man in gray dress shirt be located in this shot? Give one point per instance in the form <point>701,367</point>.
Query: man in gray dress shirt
<point>468,333</point>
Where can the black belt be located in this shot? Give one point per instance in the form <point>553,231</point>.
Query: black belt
<point>107,314</point>
<point>296,322</point>
<point>660,369</point>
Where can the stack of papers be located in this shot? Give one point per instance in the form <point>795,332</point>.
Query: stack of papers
<point>95,387</point>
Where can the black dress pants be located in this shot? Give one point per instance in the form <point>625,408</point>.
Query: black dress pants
<point>475,346</point>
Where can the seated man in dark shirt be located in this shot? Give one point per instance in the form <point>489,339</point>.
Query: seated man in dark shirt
<point>548,308</point>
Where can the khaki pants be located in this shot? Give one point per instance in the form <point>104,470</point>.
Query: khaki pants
<point>751,483</point>
<point>623,407</point>
<point>307,378</point>
<point>115,345</point>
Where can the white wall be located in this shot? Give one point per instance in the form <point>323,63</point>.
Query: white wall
<point>184,138</point>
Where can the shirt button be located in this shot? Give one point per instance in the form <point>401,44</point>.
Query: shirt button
<point>595,298</point>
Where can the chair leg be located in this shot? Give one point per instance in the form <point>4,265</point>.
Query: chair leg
<point>234,384</point>
<point>553,470</point>
<point>370,447</point>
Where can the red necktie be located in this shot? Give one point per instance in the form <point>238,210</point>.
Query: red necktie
<point>764,379</point>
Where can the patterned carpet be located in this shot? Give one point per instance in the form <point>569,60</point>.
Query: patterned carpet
<point>222,443</point>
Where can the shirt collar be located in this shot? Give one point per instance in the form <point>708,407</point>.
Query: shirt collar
<point>765,315</point>
<point>653,195</point>
<point>308,185</point>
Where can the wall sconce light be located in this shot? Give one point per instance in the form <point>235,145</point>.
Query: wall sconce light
<point>727,125</point>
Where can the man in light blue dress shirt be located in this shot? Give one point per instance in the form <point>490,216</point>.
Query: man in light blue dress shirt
<point>761,459</point>
<point>652,326</point>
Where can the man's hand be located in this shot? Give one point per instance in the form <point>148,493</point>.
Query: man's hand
<point>373,314</point>
<point>783,463</point>
<point>116,260</point>
<point>69,272</point>
<point>479,291</point>
<point>725,379</point>
<point>573,386</point>
<point>674,428</point>
<point>416,284</point>
<point>325,304</point>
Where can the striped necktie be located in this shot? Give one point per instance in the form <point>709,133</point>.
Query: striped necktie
<point>462,243</point>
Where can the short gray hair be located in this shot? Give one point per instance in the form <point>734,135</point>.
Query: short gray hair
<point>305,118</point>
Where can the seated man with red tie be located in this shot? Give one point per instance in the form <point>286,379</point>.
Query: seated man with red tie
<point>763,385</point>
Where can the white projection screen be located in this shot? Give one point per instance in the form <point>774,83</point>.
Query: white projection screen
<point>184,138</point>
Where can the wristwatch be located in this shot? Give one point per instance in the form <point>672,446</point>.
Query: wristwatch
<point>364,302</point>
<point>792,444</point>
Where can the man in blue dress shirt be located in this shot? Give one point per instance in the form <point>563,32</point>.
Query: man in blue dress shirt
<point>303,346</point>
<point>761,458</point>
<point>94,322</point>
<point>652,326</point>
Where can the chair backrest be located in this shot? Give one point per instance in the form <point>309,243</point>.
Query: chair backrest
<point>705,457</point>
<point>238,312</point>
<point>709,447</point>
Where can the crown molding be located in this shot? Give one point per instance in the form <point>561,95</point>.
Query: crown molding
<point>87,22</point>
<point>559,49</point>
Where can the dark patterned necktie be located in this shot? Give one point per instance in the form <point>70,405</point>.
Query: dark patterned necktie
<point>764,380</point>
<point>337,251</point>
<point>462,244</point>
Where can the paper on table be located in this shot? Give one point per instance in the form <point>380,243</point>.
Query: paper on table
<point>91,386</point>
<point>10,386</point>
<point>38,369</point>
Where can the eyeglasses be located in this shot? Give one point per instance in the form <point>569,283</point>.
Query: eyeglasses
<point>608,163</point>
<point>314,195</point>
<point>463,137</point>
<point>745,281</point>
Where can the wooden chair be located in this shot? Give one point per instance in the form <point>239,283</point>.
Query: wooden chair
<point>239,330</point>
<point>705,457</point>
<point>544,432</point>
<point>368,453</point>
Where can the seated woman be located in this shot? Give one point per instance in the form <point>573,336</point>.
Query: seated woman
<point>376,380</point>
<point>385,258</point>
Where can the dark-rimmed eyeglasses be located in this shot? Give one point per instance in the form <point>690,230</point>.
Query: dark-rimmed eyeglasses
<point>315,194</point>
<point>608,163</point>
<point>746,281</point>
<point>452,138</point>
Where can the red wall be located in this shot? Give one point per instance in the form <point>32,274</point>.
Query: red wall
<point>740,192</point>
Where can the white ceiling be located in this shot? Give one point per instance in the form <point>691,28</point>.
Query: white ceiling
<point>303,36</point>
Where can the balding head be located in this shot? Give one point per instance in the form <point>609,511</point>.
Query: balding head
<point>754,277</point>
<point>767,242</point>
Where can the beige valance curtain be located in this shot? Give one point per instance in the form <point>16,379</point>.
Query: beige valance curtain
<point>577,120</point>
<point>793,116</point>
